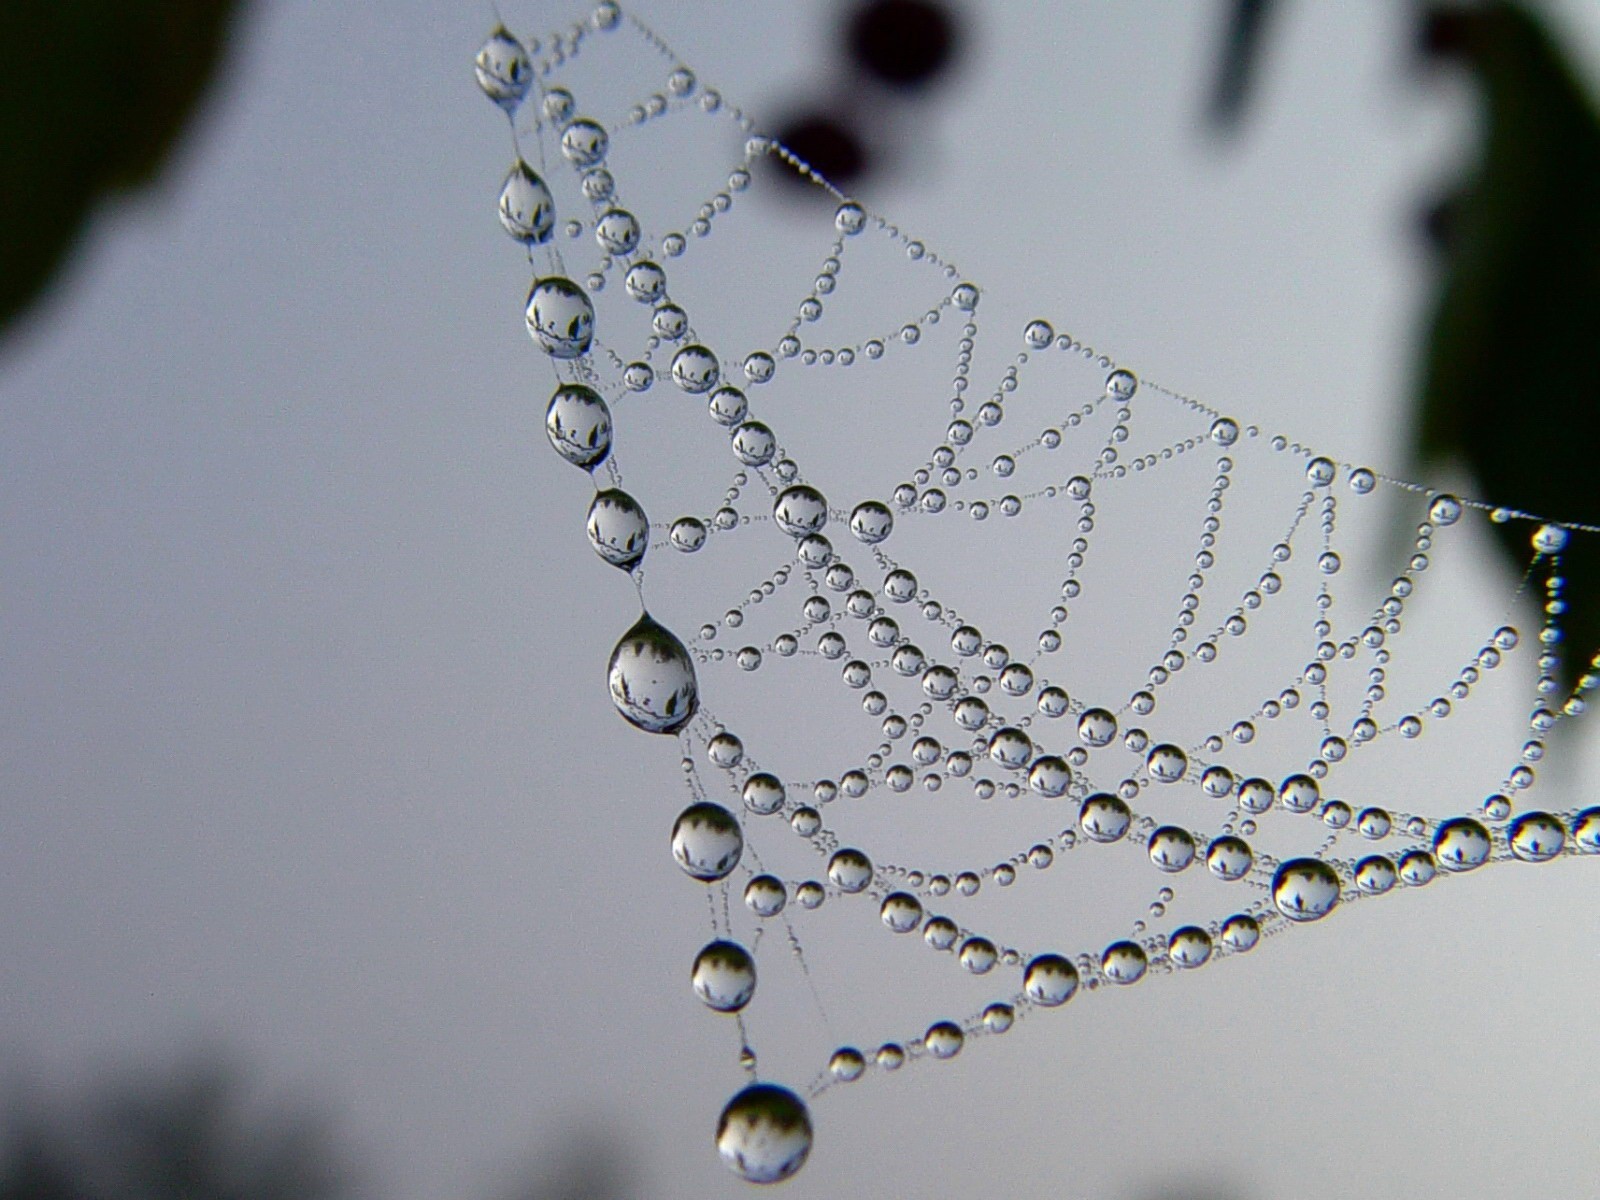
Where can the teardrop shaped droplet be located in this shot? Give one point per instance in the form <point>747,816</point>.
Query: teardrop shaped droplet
<point>764,1133</point>
<point>560,317</point>
<point>503,69</point>
<point>527,210</point>
<point>578,424</point>
<point>618,529</point>
<point>652,679</point>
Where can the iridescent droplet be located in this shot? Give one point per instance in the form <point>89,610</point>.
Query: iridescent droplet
<point>1460,844</point>
<point>1536,837</point>
<point>1189,947</point>
<point>1305,889</point>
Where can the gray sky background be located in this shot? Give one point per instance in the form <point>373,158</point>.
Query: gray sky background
<point>304,738</point>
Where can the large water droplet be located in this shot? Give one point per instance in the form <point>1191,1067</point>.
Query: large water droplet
<point>578,424</point>
<point>1124,962</point>
<point>584,142</point>
<point>652,679</point>
<point>1305,889</point>
<point>695,369</point>
<point>871,521</point>
<point>764,1134</point>
<point>560,317</point>
<point>800,510</point>
<point>901,912</point>
<point>1461,844</point>
<point>850,870</point>
<point>1104,817</point>
<point>706,841</point>
<point>526,207</point>
<point>1050,980</point>
<point>1171,848</point>
<point>724,976</point>
<point>618,529</point>
<point>1536,837</point>
<point>765,895</point>
<point>1229,858</point>
<point>1189,947</point>
<point>503,69</point>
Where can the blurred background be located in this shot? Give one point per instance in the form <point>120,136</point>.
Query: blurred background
<point>320,875</point>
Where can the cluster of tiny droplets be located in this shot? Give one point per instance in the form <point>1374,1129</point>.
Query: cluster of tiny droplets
<point>1017,730</point>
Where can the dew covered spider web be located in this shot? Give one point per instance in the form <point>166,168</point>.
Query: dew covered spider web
<point>1053,680</point>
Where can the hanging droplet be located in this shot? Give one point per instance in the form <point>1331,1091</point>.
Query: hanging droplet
<point>1167,763</point>
<point>1445,510</point>
<point>618,529</point>
<point>944,1039</point>
<point>1549,539</point>
<point>1320,471</point>
<point>645,282</point>
<point>1586,831</point>
<point>724,976</point>
<point>1121,385</point>
<point>1224,431</point>
<point>846,1065</point>
<point>1240,932</point>
<point>695,369</point>
<point>901,912</point>
<point>753,444</point>
<point>1375,875</point>
<point>1305,889</point>
<point>764,1133</point>
<point>560,317</point>
<point>1050,980</point>
<point>706,841</point>
<point>1049,775</point>
<point>849,219</point>
<point>850,870</point>
<point>1229,858</point>
<point>1171,848</point>
<point>503,69</point>
<point>1097,727</point>
<point>652,679</point>
<point>764,794</point>
<point>978,955</point>
<point>1038,334</point>
<point>578,424</point>
<point>765,895</point>
<point>526,207</point>
<point>1461,844</point>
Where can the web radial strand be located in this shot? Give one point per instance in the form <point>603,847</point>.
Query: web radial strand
<point>1054,680</point>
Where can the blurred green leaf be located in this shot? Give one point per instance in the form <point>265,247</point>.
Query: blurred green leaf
<point>1511,384</point>
<point>93,97</point>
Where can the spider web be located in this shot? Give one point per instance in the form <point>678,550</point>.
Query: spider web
<point>1065,681</point>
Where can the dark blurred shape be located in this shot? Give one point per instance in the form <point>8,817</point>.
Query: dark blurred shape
<point>188,1134</point>
<point>96,94</point>
<point>1511,382</point>
<point>588,1166</point>
<point>904,43</point>
<point>828,144</point>
<point>1237,66</point>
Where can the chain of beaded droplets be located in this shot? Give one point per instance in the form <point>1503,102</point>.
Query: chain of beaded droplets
<point>765,1133</point>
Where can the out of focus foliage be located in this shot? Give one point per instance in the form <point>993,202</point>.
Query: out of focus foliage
<point>1510,380</point>
<point>94,95</point>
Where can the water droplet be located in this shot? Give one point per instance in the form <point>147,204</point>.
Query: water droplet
<point>1189,947</point>
<point>1229,858</point>
<point>584,142</point>
<point>694,369</point>
<point>1549,539</point>
<point>1167,763</point>
<point>578,424</point>
<point>1121,385</point>
<point>964,296</point>
<point>669,321</point>
<point>1010,748</point>
<point>1586,831</point>
<point>849,218</point>
<point>765,895</point>
<point>1460,844</point>
<point>1050,980</point>
<point>1362,481</point>
<point>846,1065</point>
<point>1256,795</point>
<point>901,912</point>
<point>764,794</point>
<point>978,955</point>
<point>871,522</point>
<point>1416,868</point>
<point>850,870</point>
<point>1124,963</point>
<point>651,678</point>
<point>1240,933</point>
<point>944,1039</point>
<point>503,69</point>
<point>1305,889</point>
<point>617,231</point>
<point>706,841</point>
<point>1374,823</point>
<point>1104,817</point>
<point>764,1134</point>
<point>527,210</point>
<point>1224,431</point>
<point>1038,334</point>
<point>1097,727</point>
<point>1320,471</point>
<point>724,976</point>
<point>1445,510</point>
<point>687,534</point>
<point>618,529</point>
<point>1171,848</point>
<point>728,406</point>
<point>1536,837</point>
<point>1299,793</point>
<point>1049,775</point>
<point>560,317</point>
<point>753,444</point>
